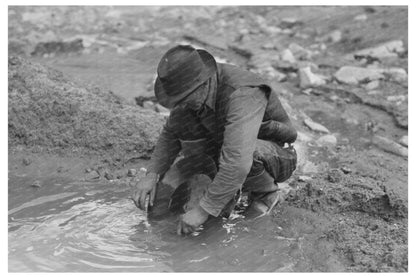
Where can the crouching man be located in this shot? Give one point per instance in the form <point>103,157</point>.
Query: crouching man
<point>229,115</point>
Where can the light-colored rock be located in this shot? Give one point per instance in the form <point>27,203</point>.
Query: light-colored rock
<point>385,50</point>
<point>327,140</point>
<point>396,98</point>
<point>335,36</point>
<point>315,126</point>
<point>397,74</point>
<point>36,184</point>
<point>354,75</point>
<point>389,146</point>
<point>268,46</point>
<point>304,178</point>
<point>361,17</point>
<point>404,141</point>
<point>299,52</point>
<point>148,104</point>
<point>372,85</point>
<point>309,79</point>
<point>93,175</point>
<point>287,55</point>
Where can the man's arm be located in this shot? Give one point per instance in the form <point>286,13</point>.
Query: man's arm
<point>166,150</point>
<point>244,116</point>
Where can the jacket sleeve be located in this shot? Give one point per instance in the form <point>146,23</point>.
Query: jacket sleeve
<point>279,128</point>
<point>166,150</point>
<point>244,115</point>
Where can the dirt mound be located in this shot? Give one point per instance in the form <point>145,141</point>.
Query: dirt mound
<point>50,111</point>
<point>337,192</point>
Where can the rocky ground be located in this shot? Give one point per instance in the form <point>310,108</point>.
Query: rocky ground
<point>341,73</point>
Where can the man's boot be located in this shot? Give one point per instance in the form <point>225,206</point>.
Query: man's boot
<point>264,194</point>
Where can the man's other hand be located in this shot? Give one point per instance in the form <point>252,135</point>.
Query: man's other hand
<point>146,186</point>
<point>191,220</point>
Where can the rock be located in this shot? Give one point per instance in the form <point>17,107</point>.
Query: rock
<point>327,140</point>
<point>386,50</point>
<point>315,126</point>
<point>399,98</point>
<point>149,105</point>
<point>26,161</point>
<point>309,79</point>
<point>361,17</point>
<point>299,52</point>
<point>289,22</point>
<point>132,172</point>
<point>372,85</point>
<point>36,184</point>
<point>346,170</point>
<point>108,176</point>
<point>354,75</point>
<point>404,141</point>
<point>268,46</point>
<point>287,55</point>
<point>304,178</point>
<point>397,74</point>
<point>389,146</point>
<point>303,137</point>
<point>92,175</point>
<point>335,36</point>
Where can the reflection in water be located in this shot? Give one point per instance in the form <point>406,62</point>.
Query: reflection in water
<point>102,230</point>
<point>90,235</point>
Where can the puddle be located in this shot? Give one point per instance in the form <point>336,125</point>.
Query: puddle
<point>98,228</point>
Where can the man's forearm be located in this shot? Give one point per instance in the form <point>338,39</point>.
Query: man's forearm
<point>166,150</point>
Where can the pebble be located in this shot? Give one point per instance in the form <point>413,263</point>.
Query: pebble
<point>390,146</point>
<point>92,175</point>
<point>148,105</point>
<point>354,75</point>
<point>346,170</point>
<point>26,161</point>
<point>131,172</point>
<point>108,176</point>
<point>315,126</point>
<point>396,98</point>
<point>327,139</point>
<point>372,85</point>
<point>289,22</point>
<point>361,17</point>
<point>287,55</point>
<point>299,52</point>
<point>404,141</point>
<point>335,36</point>
<point>304,178</point>
<point>309,79</point>
<point>36,184</point>
<point>268,46</point>
<point>385,50</point>
<point>397,74</point>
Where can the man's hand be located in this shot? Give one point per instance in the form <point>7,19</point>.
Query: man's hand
<point>146,186</point>
<point>191,220</point>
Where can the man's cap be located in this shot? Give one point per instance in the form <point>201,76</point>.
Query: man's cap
<point>180,71</point>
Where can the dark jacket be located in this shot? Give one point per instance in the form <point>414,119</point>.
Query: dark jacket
<point>241,108</point>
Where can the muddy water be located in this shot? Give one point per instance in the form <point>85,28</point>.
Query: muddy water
<point>95,227</point>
